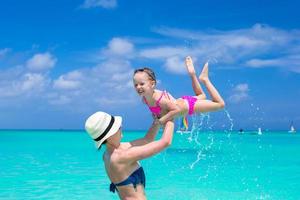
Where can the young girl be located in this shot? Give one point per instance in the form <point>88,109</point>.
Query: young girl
<point>164,106</point>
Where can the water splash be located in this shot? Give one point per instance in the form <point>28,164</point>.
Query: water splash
<point>202,122</point>
<point>230,120</point>
<point>212,60</point>
<point>206,162</point>
<point>257,116</point>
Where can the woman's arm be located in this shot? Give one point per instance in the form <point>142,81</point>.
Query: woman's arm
<point>136,153</point>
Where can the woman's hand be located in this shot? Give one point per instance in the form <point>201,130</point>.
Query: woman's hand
<point>156,121</point>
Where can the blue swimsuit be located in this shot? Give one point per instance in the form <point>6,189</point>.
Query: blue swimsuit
<point>137,177</point>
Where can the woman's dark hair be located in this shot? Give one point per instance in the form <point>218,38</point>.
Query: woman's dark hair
<point>148,71</point>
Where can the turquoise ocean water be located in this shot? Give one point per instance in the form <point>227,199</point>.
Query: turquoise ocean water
<point>202,165</point>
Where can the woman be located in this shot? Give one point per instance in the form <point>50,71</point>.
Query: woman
<point>121,159</point>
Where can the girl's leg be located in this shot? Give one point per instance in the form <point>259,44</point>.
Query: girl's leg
<point>217,101</point>
<point>195,83</point>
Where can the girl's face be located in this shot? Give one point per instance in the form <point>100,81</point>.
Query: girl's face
<point>143,84</point>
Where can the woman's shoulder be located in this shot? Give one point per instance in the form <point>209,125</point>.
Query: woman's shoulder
<point>116,157</point>
<point>122,150</point>
<point>121,156</point>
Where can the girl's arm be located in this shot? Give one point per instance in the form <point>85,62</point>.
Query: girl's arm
<point>150,135</point>
<point>136,153</point>
<point>173,111</point>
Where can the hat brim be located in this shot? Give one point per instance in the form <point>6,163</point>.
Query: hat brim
<point>115,127</point>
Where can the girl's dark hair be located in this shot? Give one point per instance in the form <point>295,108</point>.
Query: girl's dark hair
<point>148,71</point>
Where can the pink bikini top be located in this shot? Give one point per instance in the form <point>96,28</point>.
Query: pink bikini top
<point>156,110</point>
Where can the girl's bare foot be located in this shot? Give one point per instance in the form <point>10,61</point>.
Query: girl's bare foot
<point>189,65</point>
<point>204,74</point>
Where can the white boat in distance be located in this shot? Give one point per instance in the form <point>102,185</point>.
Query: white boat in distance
<point>292,128</point>
<point>259,132</point>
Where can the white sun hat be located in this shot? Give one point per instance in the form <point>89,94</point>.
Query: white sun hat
<point>101,126</point>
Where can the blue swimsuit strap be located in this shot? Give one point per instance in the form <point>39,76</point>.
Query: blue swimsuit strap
<point>137,177</point>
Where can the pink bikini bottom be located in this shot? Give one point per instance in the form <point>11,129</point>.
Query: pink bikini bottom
<point>191,102</point>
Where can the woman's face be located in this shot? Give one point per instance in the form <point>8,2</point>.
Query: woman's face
<point>115,138</point>
<point>120,133</point>
<point>143,84</point>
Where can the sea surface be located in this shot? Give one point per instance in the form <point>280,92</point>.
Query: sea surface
<point>198,165</point>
